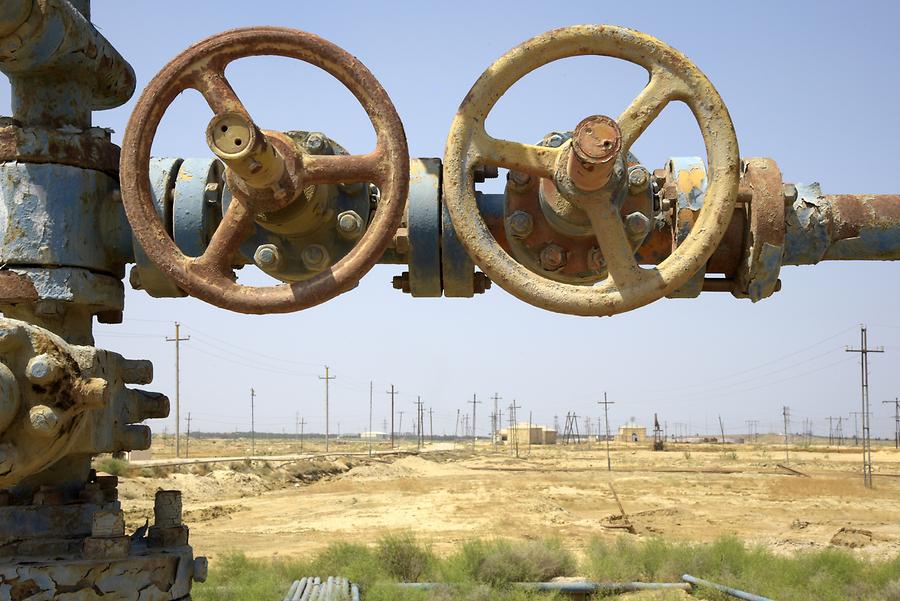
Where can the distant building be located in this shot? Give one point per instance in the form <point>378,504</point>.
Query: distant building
<point>525,434</point>
<point>632,432</point>
<point>373,435</point>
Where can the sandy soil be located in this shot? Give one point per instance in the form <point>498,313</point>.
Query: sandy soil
<point>686,493</point>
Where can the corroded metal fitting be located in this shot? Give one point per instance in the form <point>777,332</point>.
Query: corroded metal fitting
<point>595,145</point>
<point>167,509</point>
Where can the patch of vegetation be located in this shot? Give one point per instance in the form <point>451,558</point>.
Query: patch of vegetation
<point>483,569</point>
<point>826,575</point>
<point>403,558</point>
<point>501,561</point>
<point>113,466</point>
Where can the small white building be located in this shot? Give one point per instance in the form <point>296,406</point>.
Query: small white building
<point>373,435</point>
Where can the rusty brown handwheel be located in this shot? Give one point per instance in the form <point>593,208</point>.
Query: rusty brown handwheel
<point>265,170</point>
<point>673,77</point>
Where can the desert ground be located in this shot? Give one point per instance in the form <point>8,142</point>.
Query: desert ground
<point>287,505</point>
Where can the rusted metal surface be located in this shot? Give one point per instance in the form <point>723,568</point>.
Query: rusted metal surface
<point>685,190</point>
<point>209,277</point>
<point>757,277</point>
<point>60,67</point>
<point>89,150</point>
<point>72,401</point>
<point>595,144</point>
<point>841,227</point>
<point>672,77</point>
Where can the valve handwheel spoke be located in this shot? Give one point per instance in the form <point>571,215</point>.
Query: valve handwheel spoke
<point>265,169</point>
<point>539,161</point>
<point>662,89</point>
<point>589,170</point>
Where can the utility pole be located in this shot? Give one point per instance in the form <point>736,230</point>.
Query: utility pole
<point>456,429</point>
<point>514,426</point>
<point>830,430</point>
<point>431,423</point>
<point>606,405</point>
<point>371,392</point>
<point>529,433</point>
<point>177,340</point>
<point>328,379</point>
<point>474,402</point>
<point>752,429</point>
<point>722,430</point>
<point>420,438</point>
<point>896,403</point>
<point>495,424</point>
<point>302,423</point>
<point>187,446</point>
<point>786,413</point>
<point>864,351</point>
<point>252,422</point>
<point>392,392</point>
<point>400,429</point>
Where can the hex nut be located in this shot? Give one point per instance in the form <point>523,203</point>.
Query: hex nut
<point>553,257</point>
<point>638,178</point>
<point>43,370</point>
<point>637,223</point>
<point>401,282</point>
<point>267,256</point>
<point>481,283</point>
<point>790,193</point>
<point>350,225</point>
<point>555,140</point>
<point>44,420</point>
<point>520,224</point>
<point>315,143</point>
<point>315,257</point>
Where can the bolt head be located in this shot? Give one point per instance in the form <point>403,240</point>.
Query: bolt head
<point>553,257</point>
<point>790,192</point>
<point>350,224</point>
<point>555,140</point>
<point>201,569</point>
<point>44,420</point>
<point>43,370</point>
<point>520,224</point>
<point>315,142</point>
<point>315,257</point>
<point>637,223</point>
<point>638,178</point>
<point>267,256</point>
<point>401,282</point>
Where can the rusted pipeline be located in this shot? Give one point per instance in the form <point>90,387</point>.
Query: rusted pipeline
<point>54,53</point>
<point>841,227</point>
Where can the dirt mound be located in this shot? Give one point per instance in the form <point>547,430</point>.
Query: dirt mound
<point>405,467</point>
<point>852,537</point>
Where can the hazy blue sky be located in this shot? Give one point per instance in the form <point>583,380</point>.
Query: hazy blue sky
<point>811,84</point>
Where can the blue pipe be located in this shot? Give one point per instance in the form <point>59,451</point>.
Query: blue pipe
<point>724,589</point>
<point>566,587</point>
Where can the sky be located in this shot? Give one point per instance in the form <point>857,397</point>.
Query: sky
<point>808,83</point>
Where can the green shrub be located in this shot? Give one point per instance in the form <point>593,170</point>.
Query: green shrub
<point>112,466</point>
<point>501,561</point>
<point>403,558</point>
